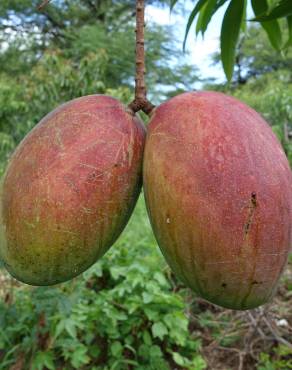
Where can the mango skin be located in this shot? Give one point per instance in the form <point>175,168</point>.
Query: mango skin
<point>70,189</point>
<point>218,190</point>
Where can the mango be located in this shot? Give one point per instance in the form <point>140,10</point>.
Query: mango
<point>218,190</point>
<point>69,189</point>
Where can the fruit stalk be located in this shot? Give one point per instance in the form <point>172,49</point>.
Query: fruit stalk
<point>140,102</point>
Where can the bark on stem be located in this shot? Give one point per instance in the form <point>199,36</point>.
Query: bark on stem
<point>43,4</point>
<point>140,102</point>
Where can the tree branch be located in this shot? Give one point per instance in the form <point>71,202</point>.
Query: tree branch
<point>140,102</point>
<point>43,4</point>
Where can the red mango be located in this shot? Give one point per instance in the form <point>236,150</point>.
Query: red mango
<point>218,191</point>
<point>69,189</point>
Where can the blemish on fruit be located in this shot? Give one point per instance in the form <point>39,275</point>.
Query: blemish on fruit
<point>252,206</point>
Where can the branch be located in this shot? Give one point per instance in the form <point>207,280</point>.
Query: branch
<point>43,4</point>
<point>140,102</point>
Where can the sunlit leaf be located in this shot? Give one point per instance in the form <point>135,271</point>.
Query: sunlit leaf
<point>178,359</point>
<point>244,23</point>
<point>192,16</point>
<point>200,19</point>
<point>159,330</point>
<point>207,13</point>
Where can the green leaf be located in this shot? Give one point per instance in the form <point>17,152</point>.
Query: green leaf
<point>272,28</point>
<point>192,16</point>
<point>116,349</point>
<point>158,276</point>
<point>282,9</point>
<point>94,351</point>
<point>178,359</point>
<point>259,6</point>
<point>229,34</point>
<point>151,314</point>
<point>172,4</point>
<point>147,297</point>
<point>143,351</point>
<point>59,328</point>
<point>200,19</point>
<point>220,3</point>
<point>155,351</point>
<point>177,325</point>
<point>243,23</point>
<point>79,357</point>
<point>70,328</point>
<point>43,360</point>
<point>205,16</point>
<point>159,330</point>
<point>147,338</point>
<point>199,363</point>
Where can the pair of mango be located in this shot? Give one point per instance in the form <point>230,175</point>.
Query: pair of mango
<point>218,190</point>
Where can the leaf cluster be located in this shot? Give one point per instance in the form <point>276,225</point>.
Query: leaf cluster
<point>122,313</point>
<point>266,12</point>
<point>69,51</point>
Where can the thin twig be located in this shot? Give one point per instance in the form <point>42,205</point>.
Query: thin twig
<point>241,360</point>
<point>250,345</point>
<point>255,325</point>
<point>43,4</point>
<point>140,102</point>
<point>276,336</point>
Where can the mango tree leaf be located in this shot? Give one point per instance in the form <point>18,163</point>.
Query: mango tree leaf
<point>229,34</point>
<point>282,9</point>
<point>272,27</point>
<point>220,3</point>
<point>206,14</point>
<point>172,4</point>
<point>243,23</point>
<point>200,19</point>
<point>192,16</point>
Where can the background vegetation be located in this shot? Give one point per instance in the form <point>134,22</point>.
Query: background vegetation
<point>128,311</point>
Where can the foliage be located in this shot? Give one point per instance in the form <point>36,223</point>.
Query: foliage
<point>51,82</point>
<point>52,57</point>
<point>129,312</point>
<point>282,360</point>
<point>266,12</point>
<point>255,56</point>
<point>123,311</point>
